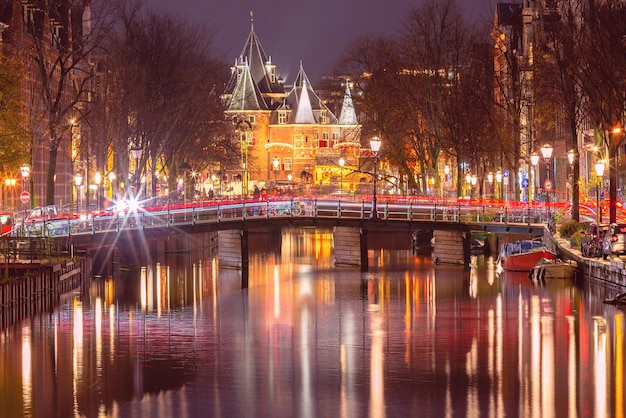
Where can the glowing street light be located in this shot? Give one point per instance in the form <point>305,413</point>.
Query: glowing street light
<point>600,165</point>
<point>342,162</point>
<point>78,180</point>
<point>375,143</point>
<point>276,163</point>
<point>546,153</point>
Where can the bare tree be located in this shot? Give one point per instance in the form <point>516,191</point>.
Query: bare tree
<point>166,79</point>
<point>452,98</point>
<point>557,81</point>
<point>603,80</point>
<point>424,91</point>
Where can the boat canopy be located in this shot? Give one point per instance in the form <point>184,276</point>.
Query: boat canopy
<point>523,246</point>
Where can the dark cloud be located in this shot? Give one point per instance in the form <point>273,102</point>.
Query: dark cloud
<point>314,32</point>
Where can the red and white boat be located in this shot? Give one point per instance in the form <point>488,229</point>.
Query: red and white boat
<point>523,255</point>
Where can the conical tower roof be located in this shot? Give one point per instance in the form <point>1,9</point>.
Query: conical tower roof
<point>305,104</point>
<point>245,95</point>
<point>348,114</point>
<point>261,67</point>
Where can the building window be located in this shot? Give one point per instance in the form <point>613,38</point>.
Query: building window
<point>55,35</point>
<point>323,143</point>
<point>282,117</point>
<point>252,120</point>
<point>250,138</point>
<point>302,146</point>
<point>323,116</point>
<point>288,164</point>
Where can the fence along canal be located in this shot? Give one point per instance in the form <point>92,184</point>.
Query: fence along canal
<point>34,274</point>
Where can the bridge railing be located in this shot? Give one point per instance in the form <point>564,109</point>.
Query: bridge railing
<point>297,207</point>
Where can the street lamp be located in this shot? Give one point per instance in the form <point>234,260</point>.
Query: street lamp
<point>276,163</point>
<point>570,157</point>
<point>342,162</point>
<point>468,181</point>
<point>111,179</point>
<point>599,173</point>
<point>78,180</point>
<point>546,153</point>
<point>10,183</point>
<point>136,152</point>
<point>375,143</point>
<point>490,180</point>
<point>534,161</point>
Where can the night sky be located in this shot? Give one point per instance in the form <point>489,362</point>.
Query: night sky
<point>314,32</point>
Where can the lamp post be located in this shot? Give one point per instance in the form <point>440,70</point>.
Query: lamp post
<point>468,181</point>
<point>534,161</point>
<point>490,180</point>
<point>78,180</point>
<point>375,143</point>
<point>10,183</point>
<point>111,179</point>
<point>136,152</point>
<point>599,173</point>
<point>275,163</point>
<point>342,162</point>
<point>546,153</point>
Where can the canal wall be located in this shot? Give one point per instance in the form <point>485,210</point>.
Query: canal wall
<point>31,288</point>
<point>607,273</point>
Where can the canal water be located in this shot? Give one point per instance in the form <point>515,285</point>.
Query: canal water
<point>177,337</point>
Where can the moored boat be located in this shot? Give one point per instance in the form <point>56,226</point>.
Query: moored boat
<point>553,269</point>
<point>523,255</point>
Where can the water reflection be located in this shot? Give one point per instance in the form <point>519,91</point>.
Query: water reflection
<point>178,337</point>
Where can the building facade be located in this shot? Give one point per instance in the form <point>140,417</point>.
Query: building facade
<point>289,137</point>
<point>40,34</point>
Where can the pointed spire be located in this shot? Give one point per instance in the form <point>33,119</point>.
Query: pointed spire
<point>304,113</point>
<point>306,104</point>
<point>348,114</point>
<point>263,72</point>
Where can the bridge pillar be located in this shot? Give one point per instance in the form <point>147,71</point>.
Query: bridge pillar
<point>452,247</point>
<point>232,252</point>
<point>348,246</point>
<point>229,248</point>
